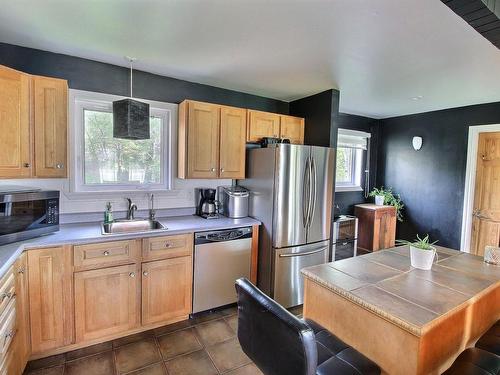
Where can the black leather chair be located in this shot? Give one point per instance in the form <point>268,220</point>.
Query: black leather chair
<point>474,361</point>
<point>490,341</point>
<point>281,344</point>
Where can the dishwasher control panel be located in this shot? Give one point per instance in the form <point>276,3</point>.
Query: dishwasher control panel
<point>223,235</point>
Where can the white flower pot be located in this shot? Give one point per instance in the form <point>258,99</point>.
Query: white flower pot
<point>379,200</point>
<point>422,259</point>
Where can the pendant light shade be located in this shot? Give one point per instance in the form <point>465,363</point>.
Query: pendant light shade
<point>130,117</point>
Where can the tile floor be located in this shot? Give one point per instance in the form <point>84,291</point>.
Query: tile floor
<point>203,345</point>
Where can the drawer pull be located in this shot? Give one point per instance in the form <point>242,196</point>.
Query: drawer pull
<point>21,270</point>
<point>8,295</point>
<point>131,274</point>
<point>9,335</point>
<point>105,253</point>
<point>168,244</point>
<point>145,273</point>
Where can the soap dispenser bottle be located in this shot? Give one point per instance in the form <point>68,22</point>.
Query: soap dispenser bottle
<point>108,214</point>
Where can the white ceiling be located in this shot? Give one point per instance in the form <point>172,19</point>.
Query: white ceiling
<point>380,54</point>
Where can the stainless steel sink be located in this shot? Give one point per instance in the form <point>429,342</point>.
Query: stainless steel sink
<point>131,226</point>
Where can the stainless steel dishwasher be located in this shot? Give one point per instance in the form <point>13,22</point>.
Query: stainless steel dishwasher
<point>220,258</point>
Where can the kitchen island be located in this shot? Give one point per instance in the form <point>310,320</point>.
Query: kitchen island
<point>408,321</point>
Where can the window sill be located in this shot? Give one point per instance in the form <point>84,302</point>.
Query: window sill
<point>340,189</point>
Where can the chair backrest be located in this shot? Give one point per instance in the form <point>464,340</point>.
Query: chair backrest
<point>275,340</point>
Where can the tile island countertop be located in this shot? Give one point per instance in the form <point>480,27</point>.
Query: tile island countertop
<point>384,289</point>
<point>385,283</point>
<point>75,234</point>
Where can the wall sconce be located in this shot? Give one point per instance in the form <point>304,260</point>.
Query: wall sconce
<point>417,143</point>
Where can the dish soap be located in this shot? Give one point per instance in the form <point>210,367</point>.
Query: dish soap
<point>108,214</point>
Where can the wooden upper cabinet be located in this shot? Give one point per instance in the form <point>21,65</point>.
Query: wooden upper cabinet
<point>108,301</point>
<point>15,142</point>
<point>262,124</point>
<point>166,289</point>
<point>50,116</point>
<point>293,129</point>
<point>233,127</point>
<point>51,298</point>
<point>198,140</point>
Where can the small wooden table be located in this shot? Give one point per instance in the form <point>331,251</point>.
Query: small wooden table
<point>376,226</point>
<point>407,320</point>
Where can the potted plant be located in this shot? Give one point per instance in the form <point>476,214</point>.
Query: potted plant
<point>379,195</point>
<point>386,196</point>
<point>422,252</point>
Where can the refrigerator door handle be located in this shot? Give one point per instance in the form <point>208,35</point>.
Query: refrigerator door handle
<point>309,191</point>
<point>289,255</point>
<point>313,190</point>
<point>305,195</point>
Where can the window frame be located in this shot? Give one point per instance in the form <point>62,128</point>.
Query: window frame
<point>356,172</point>
<point>355,184</point>
<point>86,100</point>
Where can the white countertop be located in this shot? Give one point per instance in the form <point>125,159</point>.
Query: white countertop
<point>91,232</point>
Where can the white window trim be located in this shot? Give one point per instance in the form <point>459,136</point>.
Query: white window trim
<point>357,166</point>
<point>80,100</point>
<point>356,173</point>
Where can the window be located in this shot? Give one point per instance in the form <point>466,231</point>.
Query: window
<point>104,163</point>
<point>350,154</point>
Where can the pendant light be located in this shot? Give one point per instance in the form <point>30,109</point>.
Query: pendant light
<point>130,117</point>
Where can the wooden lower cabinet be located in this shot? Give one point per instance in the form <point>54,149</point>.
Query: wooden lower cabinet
<point>107,301</point>
<point>376,226</point>
<point>166,289</point>
<point>50,298</point>
<point>21,345</point>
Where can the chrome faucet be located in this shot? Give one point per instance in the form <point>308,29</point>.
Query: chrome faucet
<point>152,212</point>
<point>132,207</point>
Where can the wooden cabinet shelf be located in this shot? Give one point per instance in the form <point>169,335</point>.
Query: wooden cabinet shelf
<point>376,226</point>
<point>34,125</point>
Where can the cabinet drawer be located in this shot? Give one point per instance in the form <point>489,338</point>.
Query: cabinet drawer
<point>7,290</point>
<point>105,254</point>
<point>167,247</point>
<point>7,328</point>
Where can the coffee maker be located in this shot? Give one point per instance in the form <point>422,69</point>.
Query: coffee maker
<point>208,206</point>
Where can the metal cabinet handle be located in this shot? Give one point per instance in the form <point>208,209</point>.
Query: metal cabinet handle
<point>21,270</point>
<point>131,274</point>
<point>145,273</point>
<point>105,253</point>
<point>213,169</point>
<point>59,166</point>
<point>168,244</point>
<point>302,254</point>
<point>27,165</point>
<point>222,169</point>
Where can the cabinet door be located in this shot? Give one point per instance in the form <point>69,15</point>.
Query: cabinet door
<point>203,140</point>
<point>262,124</point>
<point>233,127</point>
<point>107,302</point>
<point>50,296</point>
<point>166,289</point>
<point>22,337</point>
<point>293,129</point>
<point>50,114</point>
<point>15,160</point>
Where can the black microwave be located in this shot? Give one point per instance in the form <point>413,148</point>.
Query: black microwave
<point>27,213</point>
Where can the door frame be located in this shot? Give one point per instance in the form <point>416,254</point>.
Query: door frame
<point>470,181</point>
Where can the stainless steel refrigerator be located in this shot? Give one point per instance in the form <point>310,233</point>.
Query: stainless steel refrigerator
<point>291,188</point>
